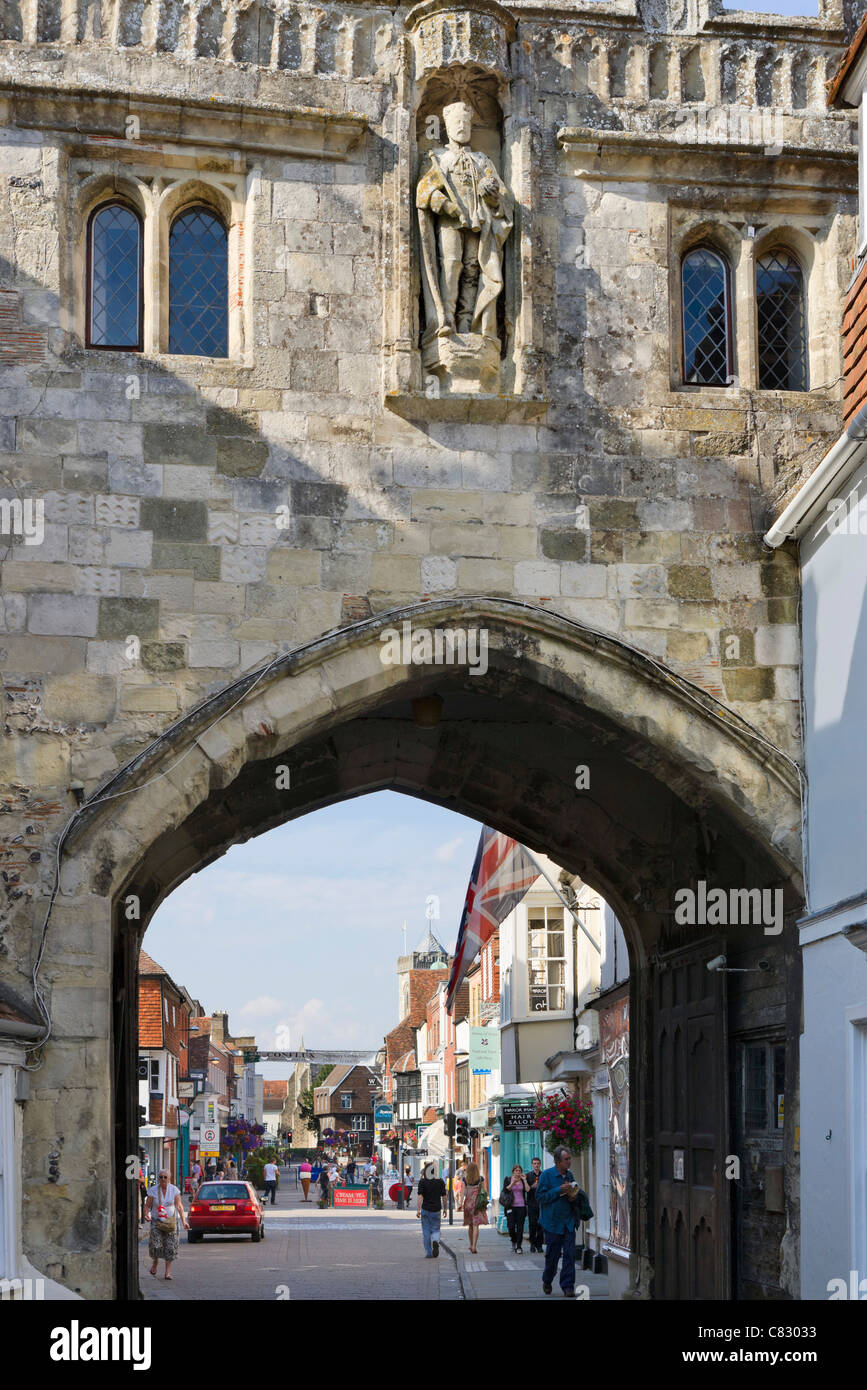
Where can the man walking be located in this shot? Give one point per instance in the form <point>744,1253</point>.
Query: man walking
<point>270,1174</point>
<point>430,1209</point>
<point>533,1207</point>
<point>561,1201</point>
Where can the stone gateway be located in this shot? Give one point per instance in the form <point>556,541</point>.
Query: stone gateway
<point>319,321</point>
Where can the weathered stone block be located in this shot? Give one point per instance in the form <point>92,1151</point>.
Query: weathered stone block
<point>241,458</point>
<point>120,617</point>
<point>170,519</point>
<point>149,699</point>
<point>163,656</point>
<point>87,699</point>
<point>690,581</point>
<point>749,683</point>
<point>189,445</point>
<point>202,560</point>
<point>64,615</point>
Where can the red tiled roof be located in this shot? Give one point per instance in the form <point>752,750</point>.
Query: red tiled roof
<point>847,62</point>
<point>148,966</point>
<point>275,1093</point>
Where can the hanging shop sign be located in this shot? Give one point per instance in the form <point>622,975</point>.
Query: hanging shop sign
<point>519,1117</point>
<point>484,1054</point>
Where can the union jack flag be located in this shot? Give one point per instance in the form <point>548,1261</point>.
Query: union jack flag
<point>502,872</point>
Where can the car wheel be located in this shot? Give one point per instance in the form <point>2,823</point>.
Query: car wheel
<point>193,1237</point>
<point>256,1236</point>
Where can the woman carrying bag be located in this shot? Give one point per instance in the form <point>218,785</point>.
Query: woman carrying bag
<point>513,1200</point>
<point>475,1205</point>
<point>164,1210</point>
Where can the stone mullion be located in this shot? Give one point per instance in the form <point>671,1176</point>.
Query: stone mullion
<point>310,21</point>
<point>638,74</point>
<point>675,82</point>
<point>69,21</point>
<point>227,39</point>
<point>783,80</point>
<point>712,72</point>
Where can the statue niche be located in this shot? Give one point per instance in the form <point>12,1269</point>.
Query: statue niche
<point>465,214</point>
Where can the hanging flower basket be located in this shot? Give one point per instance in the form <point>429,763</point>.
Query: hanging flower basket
<point>565,1120</point>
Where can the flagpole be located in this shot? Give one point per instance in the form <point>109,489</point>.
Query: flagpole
<point>569,909</point>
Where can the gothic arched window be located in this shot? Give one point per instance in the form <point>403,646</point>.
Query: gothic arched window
<point>706,318</point>
<point>114,278</point>
<point>781,323</point>
<point>199,284</point>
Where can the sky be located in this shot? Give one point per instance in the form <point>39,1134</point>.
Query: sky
<point>797,7</point>
<point>299,930</point>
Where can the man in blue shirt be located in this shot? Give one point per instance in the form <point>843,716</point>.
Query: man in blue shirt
<point>560,1201</point>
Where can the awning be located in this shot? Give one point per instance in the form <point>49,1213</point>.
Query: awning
<point>434,1141</point>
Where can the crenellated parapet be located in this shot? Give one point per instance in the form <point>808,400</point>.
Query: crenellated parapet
<point>608,54</point>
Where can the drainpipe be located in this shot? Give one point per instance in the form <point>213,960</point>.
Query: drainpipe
<point>792,520</point>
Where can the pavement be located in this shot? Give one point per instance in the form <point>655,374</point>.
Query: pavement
<point>345,1254</point>
<point>497,1273</point>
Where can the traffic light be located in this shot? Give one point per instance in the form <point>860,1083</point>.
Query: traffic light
<point>142,1116</point>
<point>449,1123</point>
<point>462,1133</point>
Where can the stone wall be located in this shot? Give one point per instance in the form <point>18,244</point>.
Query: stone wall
<point>201,516</point>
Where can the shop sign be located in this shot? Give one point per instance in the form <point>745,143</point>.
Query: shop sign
<point>519,1117</point>
<point>350,1196</point>
<point>484,1051</point>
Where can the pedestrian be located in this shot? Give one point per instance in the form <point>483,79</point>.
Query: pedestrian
<point>407,1185</point>
<point>324,1186</point>
<point>350,1171</point>
<point>163,1209</point>
<point>561,1203</point>
<point>210,1170</point>
<point>197,1176</point>
<point>231,1169</point>
<point>513,1200</point>
<point>460,1185</point>
<point>430,1209</point>
<point>533,1206</point>
<point>220,1174</point>
<point>142,1188</point>
<point>333,1174</point>
<point>475,1205</point>
<point>270,1175</point>
<point>305,1173</point>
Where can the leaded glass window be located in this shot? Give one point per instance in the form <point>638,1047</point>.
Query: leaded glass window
<point>781,323</point>
<point>114,278</point>
<point>199,284</point>
<point>706,319</point>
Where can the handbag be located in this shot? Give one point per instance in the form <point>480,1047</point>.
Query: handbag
<point>481,1198</point>
<point>166,1223</point>
<point>507,1200</point>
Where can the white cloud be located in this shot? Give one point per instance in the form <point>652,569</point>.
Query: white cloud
<point>262,1007</point>
<point>446,852</point>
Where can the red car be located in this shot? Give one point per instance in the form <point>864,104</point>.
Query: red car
<point>227,1209</point>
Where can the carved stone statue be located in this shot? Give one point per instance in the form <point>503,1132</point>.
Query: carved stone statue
<point>465,216</point>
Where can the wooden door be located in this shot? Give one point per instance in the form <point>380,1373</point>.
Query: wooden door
<point>690,1126</point>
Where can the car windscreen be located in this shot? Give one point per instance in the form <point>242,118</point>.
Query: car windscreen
<point>221,1191</point>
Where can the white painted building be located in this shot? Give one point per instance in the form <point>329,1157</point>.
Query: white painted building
<point>828,517</point>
